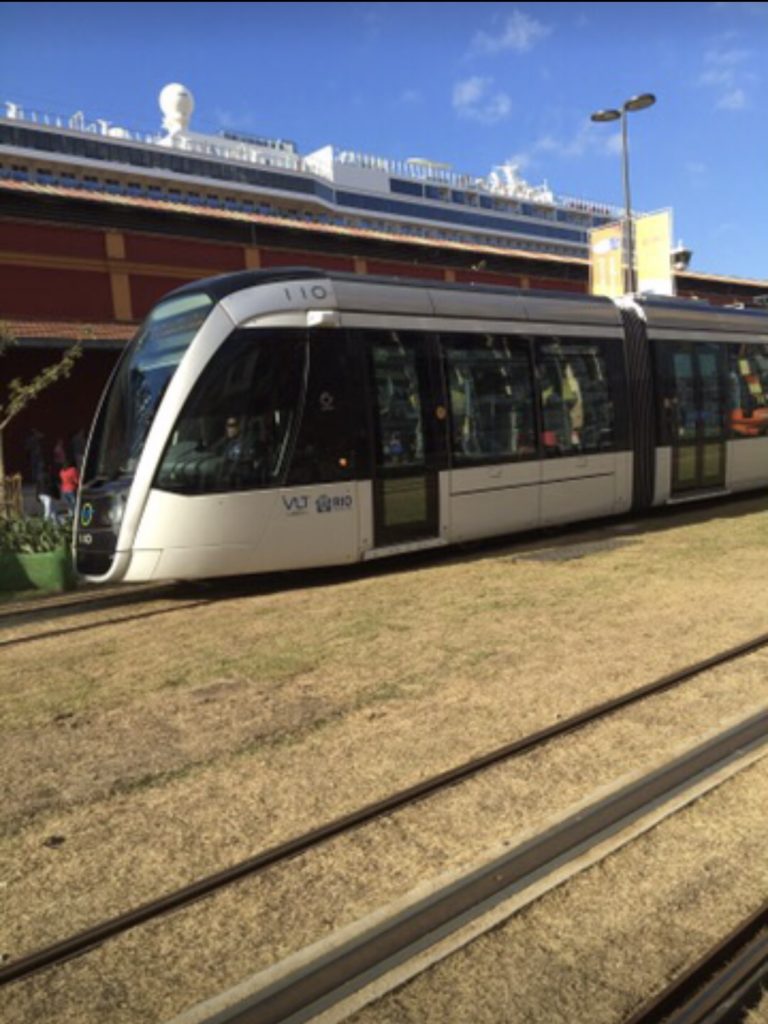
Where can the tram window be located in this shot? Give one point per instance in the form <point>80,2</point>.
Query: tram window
<point>748,390</point>
<point>491,396</point>
<point>326,441</point>
<point>577,409</point>
<point>694,390</point>
<point>236,429</point>
<point>400,433</point>
<point>686,408</point>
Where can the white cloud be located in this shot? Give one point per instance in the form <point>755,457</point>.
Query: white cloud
<point>519,33</point>
<point>587,140</point>
<point>727,73</point>
<point>716,78</point>
<point>736,99</point>
<point>474,99</point>
<point>729,58</point>
<point>519,160</point>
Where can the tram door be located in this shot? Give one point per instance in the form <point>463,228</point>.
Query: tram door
<point>698,417</point>
<point>405,482</point>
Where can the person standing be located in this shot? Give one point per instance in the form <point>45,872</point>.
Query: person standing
<point>43,475</point>
<point>69,481</point>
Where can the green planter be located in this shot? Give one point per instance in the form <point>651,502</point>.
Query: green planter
<point>46,570</point>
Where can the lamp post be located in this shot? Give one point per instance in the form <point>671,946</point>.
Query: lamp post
<point>641,102</point>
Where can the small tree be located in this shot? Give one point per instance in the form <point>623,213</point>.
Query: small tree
<point>20,394</point>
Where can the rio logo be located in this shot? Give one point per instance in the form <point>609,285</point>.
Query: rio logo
<point>338,504</point>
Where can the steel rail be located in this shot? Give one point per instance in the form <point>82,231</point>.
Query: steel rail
<point>725,982</point>
<point>301,994</point>
<point>75,603</point>
<point>82,941</point>
<point>85,627</point>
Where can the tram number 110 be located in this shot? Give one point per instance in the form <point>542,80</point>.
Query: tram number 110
<point>300,292</point>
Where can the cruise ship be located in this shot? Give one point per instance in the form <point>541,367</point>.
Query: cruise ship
<point>269,180</point>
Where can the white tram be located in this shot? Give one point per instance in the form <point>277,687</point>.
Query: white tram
<point>276,420</point>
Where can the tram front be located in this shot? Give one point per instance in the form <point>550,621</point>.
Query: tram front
<point>111,479</point>
<point>220,448</point>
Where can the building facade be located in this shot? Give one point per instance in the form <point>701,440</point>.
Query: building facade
<point>96,225</point>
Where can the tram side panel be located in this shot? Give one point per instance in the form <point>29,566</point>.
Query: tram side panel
<point>712,414</point>
<point>747,414</point>
<point>495,476</point>
<point>587,468</point>
<point>539,429</point>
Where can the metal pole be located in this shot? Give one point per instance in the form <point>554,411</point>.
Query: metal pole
<point>628,225</point>
<point>641,102</point>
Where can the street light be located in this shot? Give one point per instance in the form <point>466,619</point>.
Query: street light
<point>646,99</point>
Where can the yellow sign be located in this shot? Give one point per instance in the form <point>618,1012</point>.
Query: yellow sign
<point>653,245</point>
<point>606,274</point>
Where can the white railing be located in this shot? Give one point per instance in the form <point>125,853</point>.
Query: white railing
<point>77,123</point>
<point>218,147</point>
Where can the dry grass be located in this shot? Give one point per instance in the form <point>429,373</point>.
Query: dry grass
<point>164,749</point>
<point>759,1015</point>
<point>594,950</point>
<point>507,643</point>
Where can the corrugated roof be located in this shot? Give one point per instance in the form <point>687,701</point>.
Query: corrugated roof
<point>69,331</point>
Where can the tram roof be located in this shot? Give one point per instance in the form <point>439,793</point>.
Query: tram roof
<point>481,300</point>
<point>671,313</point>
<point>447,298</point>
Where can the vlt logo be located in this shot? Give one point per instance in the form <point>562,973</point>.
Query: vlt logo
<point>86,515</point>
<point>296,505</point>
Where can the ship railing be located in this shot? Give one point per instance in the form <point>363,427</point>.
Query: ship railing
<point>77,123</point>
<point>241,153</point>
<point>218,147</point>
<point>404,169</point>
<point>588,206</point>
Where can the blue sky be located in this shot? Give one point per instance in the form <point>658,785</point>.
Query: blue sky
<point>472,85</point>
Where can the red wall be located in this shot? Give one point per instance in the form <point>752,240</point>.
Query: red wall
<point>485,277</point>
<point>24,236</point>
<point>548,284</point>
<point>391,269</point>
<point>176,252</point>
<point>146,291</point>
<point>324,261</point>
<point>58,294</point>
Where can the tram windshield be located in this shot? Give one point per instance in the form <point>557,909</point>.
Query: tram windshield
<point>235,430</point>
<point>139,385</point>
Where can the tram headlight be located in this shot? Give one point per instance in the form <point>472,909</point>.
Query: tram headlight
<point>117,510</point>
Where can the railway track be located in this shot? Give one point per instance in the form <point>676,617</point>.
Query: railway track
<point>81,942</point>
<point>340,975</point>
<point>45,609</point>
<point>722,986</point>
<point>85,627</point>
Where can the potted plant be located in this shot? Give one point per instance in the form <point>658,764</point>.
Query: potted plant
<point>35,554</point>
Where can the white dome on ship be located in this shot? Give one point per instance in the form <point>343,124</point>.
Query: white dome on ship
<point>177,104</point>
